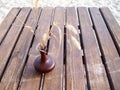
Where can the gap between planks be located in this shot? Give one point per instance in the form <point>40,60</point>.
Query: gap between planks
<point>101,50</point>
<point>107,47</point>
<point>6,24</point>
<point>20,54</point>
<point>55,77</point>
<point>97,80</point>
<point>11,40</point>
<point>36,81</point>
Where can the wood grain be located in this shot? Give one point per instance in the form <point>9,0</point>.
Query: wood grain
<point>75,76</point>
<point>8,44</point>
<point>112,24</point>
<point>31,79</point>
<point>96,71</point>
<point>54,79</point>
<point>109,51</point>
<point>98,37</point>
<point>43,27</point>
<point>6,24</point>
<point>14,69</point>
<point>107,44</point>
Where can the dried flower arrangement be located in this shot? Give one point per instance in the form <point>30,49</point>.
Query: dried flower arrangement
<point>44,63</point>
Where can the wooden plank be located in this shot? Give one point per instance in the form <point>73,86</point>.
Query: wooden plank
<point>30,79</point>
<point>114,28</point>
<point>107,44</point>
<point>14,69</point>
<point>112,24</point>
<point>8,44</point>
<point>6,24</point>
<point>54,79</point>
<point>75,76</point>
<point>114,70</point>
<point>97,79</point>
<point>108,48</point>
<point>44,27</point>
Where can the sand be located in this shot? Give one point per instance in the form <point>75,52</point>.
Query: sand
<point>6,5</point>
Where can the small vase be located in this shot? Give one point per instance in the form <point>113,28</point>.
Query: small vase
<point>44,63</point>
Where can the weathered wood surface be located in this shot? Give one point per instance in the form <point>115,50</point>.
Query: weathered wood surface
<point>7,23</point>
<point>75,76</point>
<point>96,71</point>
<point>54,79</point>
<point>31,81</point>
<point>84,43</point>
<point>8,44</point>
<point>113,26</point>
<point>109,50</point>
<point>16,63</point>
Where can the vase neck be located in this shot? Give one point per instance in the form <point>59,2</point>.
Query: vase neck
<point>43,56</point>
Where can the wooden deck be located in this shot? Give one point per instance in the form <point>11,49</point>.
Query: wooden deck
<point>85,47</point>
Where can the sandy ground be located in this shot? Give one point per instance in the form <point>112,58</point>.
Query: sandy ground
<point>6,5</point>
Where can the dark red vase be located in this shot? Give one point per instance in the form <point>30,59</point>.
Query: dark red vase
<point>44,63</point>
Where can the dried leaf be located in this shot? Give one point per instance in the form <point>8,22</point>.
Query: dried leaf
<point>43,51</point>
<point>38,47</point>
<point>42,45</point>
<point>44,41</point>
<point>55,24</point>
<point>71,28</point>
<point>60,33</point>
<point>45,38</point>
<point>30,28</point>
<point>75,42</point>
<point>52,34</point>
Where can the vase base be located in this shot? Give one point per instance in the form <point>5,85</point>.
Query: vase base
<point>44,67</point>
